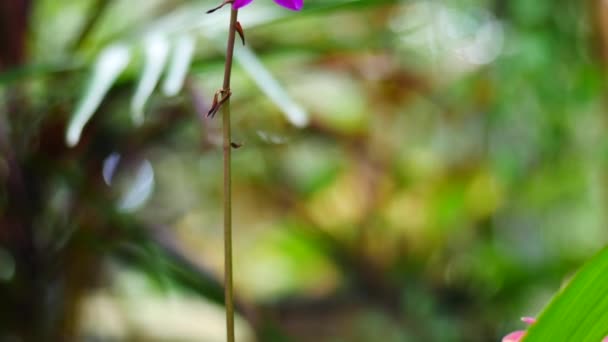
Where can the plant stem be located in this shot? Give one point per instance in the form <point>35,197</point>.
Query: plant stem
<point>227,140</point>
<point>98,9</point>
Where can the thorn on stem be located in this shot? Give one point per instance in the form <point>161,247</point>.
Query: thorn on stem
<point>219,98</point>
<point>239,30</point>
<point>236,145</point>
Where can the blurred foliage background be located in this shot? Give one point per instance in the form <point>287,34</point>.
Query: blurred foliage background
<point>423,170</point>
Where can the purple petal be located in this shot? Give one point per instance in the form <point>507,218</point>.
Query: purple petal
<point>240,3</point>
<point>528,320</point>
<point>295,5</point>
<point>514,336</point>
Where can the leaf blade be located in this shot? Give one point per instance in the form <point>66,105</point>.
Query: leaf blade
<point>579,312</point>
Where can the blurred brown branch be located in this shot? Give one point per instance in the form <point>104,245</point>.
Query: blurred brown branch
<point>14,17</point>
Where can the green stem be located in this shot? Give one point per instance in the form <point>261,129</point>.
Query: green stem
<point>97,10</point>
<point>227,140</point>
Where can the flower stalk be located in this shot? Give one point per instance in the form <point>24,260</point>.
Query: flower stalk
<point>221,101</point>
<point>227,150</point>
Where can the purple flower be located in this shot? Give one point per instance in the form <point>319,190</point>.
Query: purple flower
<point>518,335</point>
<point>294,5</point>
<point>514,336</point>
